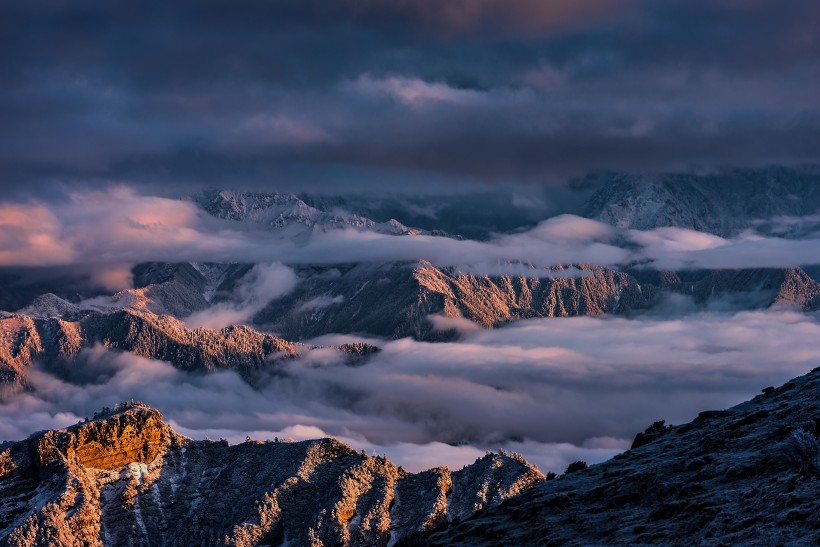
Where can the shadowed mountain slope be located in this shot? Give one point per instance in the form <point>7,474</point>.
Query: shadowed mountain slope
<point>723,203</point>
<point>749,475</point>
<point>397,299</point>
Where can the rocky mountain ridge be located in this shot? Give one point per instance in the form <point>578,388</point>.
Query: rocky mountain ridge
<point>748,475</point>
<point>126,478</point>
<point>56,343</point>
<point>161,288</point>
<point>725,202</point>
<point>287,214</point>
<point>397,300</point>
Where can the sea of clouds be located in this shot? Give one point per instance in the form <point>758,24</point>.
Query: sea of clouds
<point>555,389</point>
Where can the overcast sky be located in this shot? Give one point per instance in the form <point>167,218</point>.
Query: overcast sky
<point>393,94</point>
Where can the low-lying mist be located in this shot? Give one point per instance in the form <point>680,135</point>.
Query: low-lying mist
<point>108,232</point>
<point>555,390</point>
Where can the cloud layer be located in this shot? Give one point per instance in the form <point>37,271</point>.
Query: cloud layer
<point>114,229</point>
<point>553,389</point>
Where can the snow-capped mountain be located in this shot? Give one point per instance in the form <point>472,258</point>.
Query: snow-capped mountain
<point>723,203</point>
<point>178,290</point>
<point>56,343</point>
<point>289,216</point>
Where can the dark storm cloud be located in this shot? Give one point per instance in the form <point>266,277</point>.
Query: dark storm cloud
<point>331,93</point>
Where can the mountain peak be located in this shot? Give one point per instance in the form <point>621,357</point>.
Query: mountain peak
<point>286,211</point>
<point>50,305</point>
<point>111,439</point>
<point>127,477</point>
<point>725,202</point>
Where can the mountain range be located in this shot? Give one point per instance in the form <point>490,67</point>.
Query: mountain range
<point>745,475</point>
<point>126,478</point>
<point>723,202</point>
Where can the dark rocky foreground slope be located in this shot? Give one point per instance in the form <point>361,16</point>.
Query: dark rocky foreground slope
<point>128,479</point>
<point>749,475</point>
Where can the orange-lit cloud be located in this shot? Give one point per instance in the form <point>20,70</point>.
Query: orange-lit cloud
<point>31,235</point>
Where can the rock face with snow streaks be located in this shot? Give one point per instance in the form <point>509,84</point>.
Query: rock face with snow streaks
<point>287,215</point>
<point>396,299</point>
<point>725,202</point>
<point>126,478</point>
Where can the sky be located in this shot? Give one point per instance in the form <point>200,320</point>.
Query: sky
<point>399,95</point>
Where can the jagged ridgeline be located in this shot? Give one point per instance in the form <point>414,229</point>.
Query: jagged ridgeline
<point>723,202</point>
<point>55,342</point>
<point>749,475</point>
<point>397,300</point>
<point>746,475</point>
<point>126,478</point>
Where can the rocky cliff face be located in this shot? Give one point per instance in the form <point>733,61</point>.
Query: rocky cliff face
<point>749,475</point>
<point>127,479</point>
<point>396,300</point>
<point>54,341</point>
<point>750,288</point>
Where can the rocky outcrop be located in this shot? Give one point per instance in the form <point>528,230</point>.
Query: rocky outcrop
<point>54,341</point>
<point>749,475</point>
<point>125,478</point>
<point>49,489</point>
<point>798,290</point>
<point>20,344</point>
